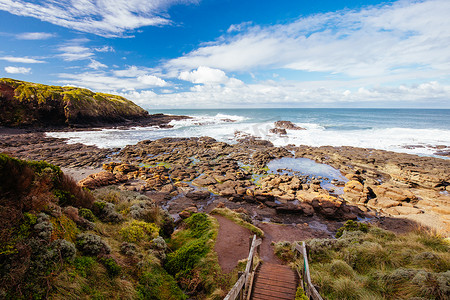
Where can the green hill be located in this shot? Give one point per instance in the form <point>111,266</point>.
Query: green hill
<point>26,104</point>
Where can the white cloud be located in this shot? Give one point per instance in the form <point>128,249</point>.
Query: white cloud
<point>270,94</point>
<point>238,27</point>
<point>102,17</point>
<point>104,49</point>
<point>209,76</point>
<point>132,71</point>
<point>17,70</point>
<point>96,65</point>
<point>204,75</point>
<point>106,82</point>
<point>391,39</point>
<point>35,36</point>
<point>24,60</point>
<point>152,80</point>
<point>75,52</point>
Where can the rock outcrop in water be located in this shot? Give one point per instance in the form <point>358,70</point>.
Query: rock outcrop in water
<point>26,104</point>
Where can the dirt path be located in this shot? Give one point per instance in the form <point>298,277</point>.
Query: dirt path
<point>232,240</point>
<point>232,243</point>
<point>277,232</point>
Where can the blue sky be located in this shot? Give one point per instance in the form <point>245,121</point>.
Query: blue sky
<point>227,53</point>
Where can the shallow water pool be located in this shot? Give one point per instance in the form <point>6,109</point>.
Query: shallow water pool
<point>308,167</point>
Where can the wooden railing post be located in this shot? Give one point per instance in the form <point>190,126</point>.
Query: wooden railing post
<point>307,285</point>
<point>242,285</point>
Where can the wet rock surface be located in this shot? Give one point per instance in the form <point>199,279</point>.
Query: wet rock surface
<point>185,175</point>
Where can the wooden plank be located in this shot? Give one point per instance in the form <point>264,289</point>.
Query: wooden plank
<point>279,295</point>
<point>286,290</point>
<point>276,284</point>
<point>276,278</point>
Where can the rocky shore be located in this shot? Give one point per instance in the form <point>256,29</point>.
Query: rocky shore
<point>186,175</point>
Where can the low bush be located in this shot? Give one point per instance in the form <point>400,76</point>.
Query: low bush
<point>106,212</point>
<point>87,214</point>
<point>351,225</point>
<point>157,284</point>
<point>91,244</point>
<point>138,231</point>
<point>66,249</point>
<point>111,266</point>
<point>300,294</point>
<point>193,261</point>
<point>83,265</point>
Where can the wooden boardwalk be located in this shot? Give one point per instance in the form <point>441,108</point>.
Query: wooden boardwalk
<point>274,281</point>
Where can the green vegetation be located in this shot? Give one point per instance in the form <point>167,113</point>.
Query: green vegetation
<point>193,263</point>
<point>300,294</point>
<point>53,246</point>
<point>351,225</point>
<point>63,242</point>
<point>38,104</point>
<point>238,218</point>
<point>157,284</point>
<point>367,262</point>
<point>137,231</point>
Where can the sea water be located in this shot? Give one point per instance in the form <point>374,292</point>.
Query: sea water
<point>415,131</point>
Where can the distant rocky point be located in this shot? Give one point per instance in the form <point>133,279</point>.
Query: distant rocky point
<point>26,104</point>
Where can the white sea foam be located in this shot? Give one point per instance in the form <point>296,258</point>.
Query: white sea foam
<point>203,120</point>
<point>221,128</point>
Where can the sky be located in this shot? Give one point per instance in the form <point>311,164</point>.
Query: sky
<point>235,54</point>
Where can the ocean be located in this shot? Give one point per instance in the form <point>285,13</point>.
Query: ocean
<point>416,131</point>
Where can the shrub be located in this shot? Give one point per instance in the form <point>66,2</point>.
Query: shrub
<point>106,212</point>
<point>111,266</point>
<point>43,226</point>
<point>351,225</point>
<point>157,284</point>
<point>146,211</point>
<point>63,228</point>
<point>128,249</point>
<point>198,224</point>
<point>91,244</point>
<point>284,251</point>
<point>159,243</point>
<point>65,249</point>
<point>184,259</point>
<point>72,194</point>
<point>84,265</point>
<point>87,214</point>
<point>300,294</point>
<point>136,231</point>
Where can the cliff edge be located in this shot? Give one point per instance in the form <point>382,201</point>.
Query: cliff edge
<point>27,104</point>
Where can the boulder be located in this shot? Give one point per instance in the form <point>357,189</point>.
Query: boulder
<point>287,125</point>
<point>279,131</point>
<point>204,180</point>
<point>100,179</point>
<point>198,195</point>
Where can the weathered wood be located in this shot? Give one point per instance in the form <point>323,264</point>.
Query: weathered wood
<point>234,292</point>
<point>309,288</point>
<point>243,283</point>
<point>275,282</point>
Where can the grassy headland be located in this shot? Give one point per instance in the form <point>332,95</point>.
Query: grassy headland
<point>30,104</point>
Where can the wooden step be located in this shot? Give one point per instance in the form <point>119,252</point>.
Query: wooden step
<point>274,281</point>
